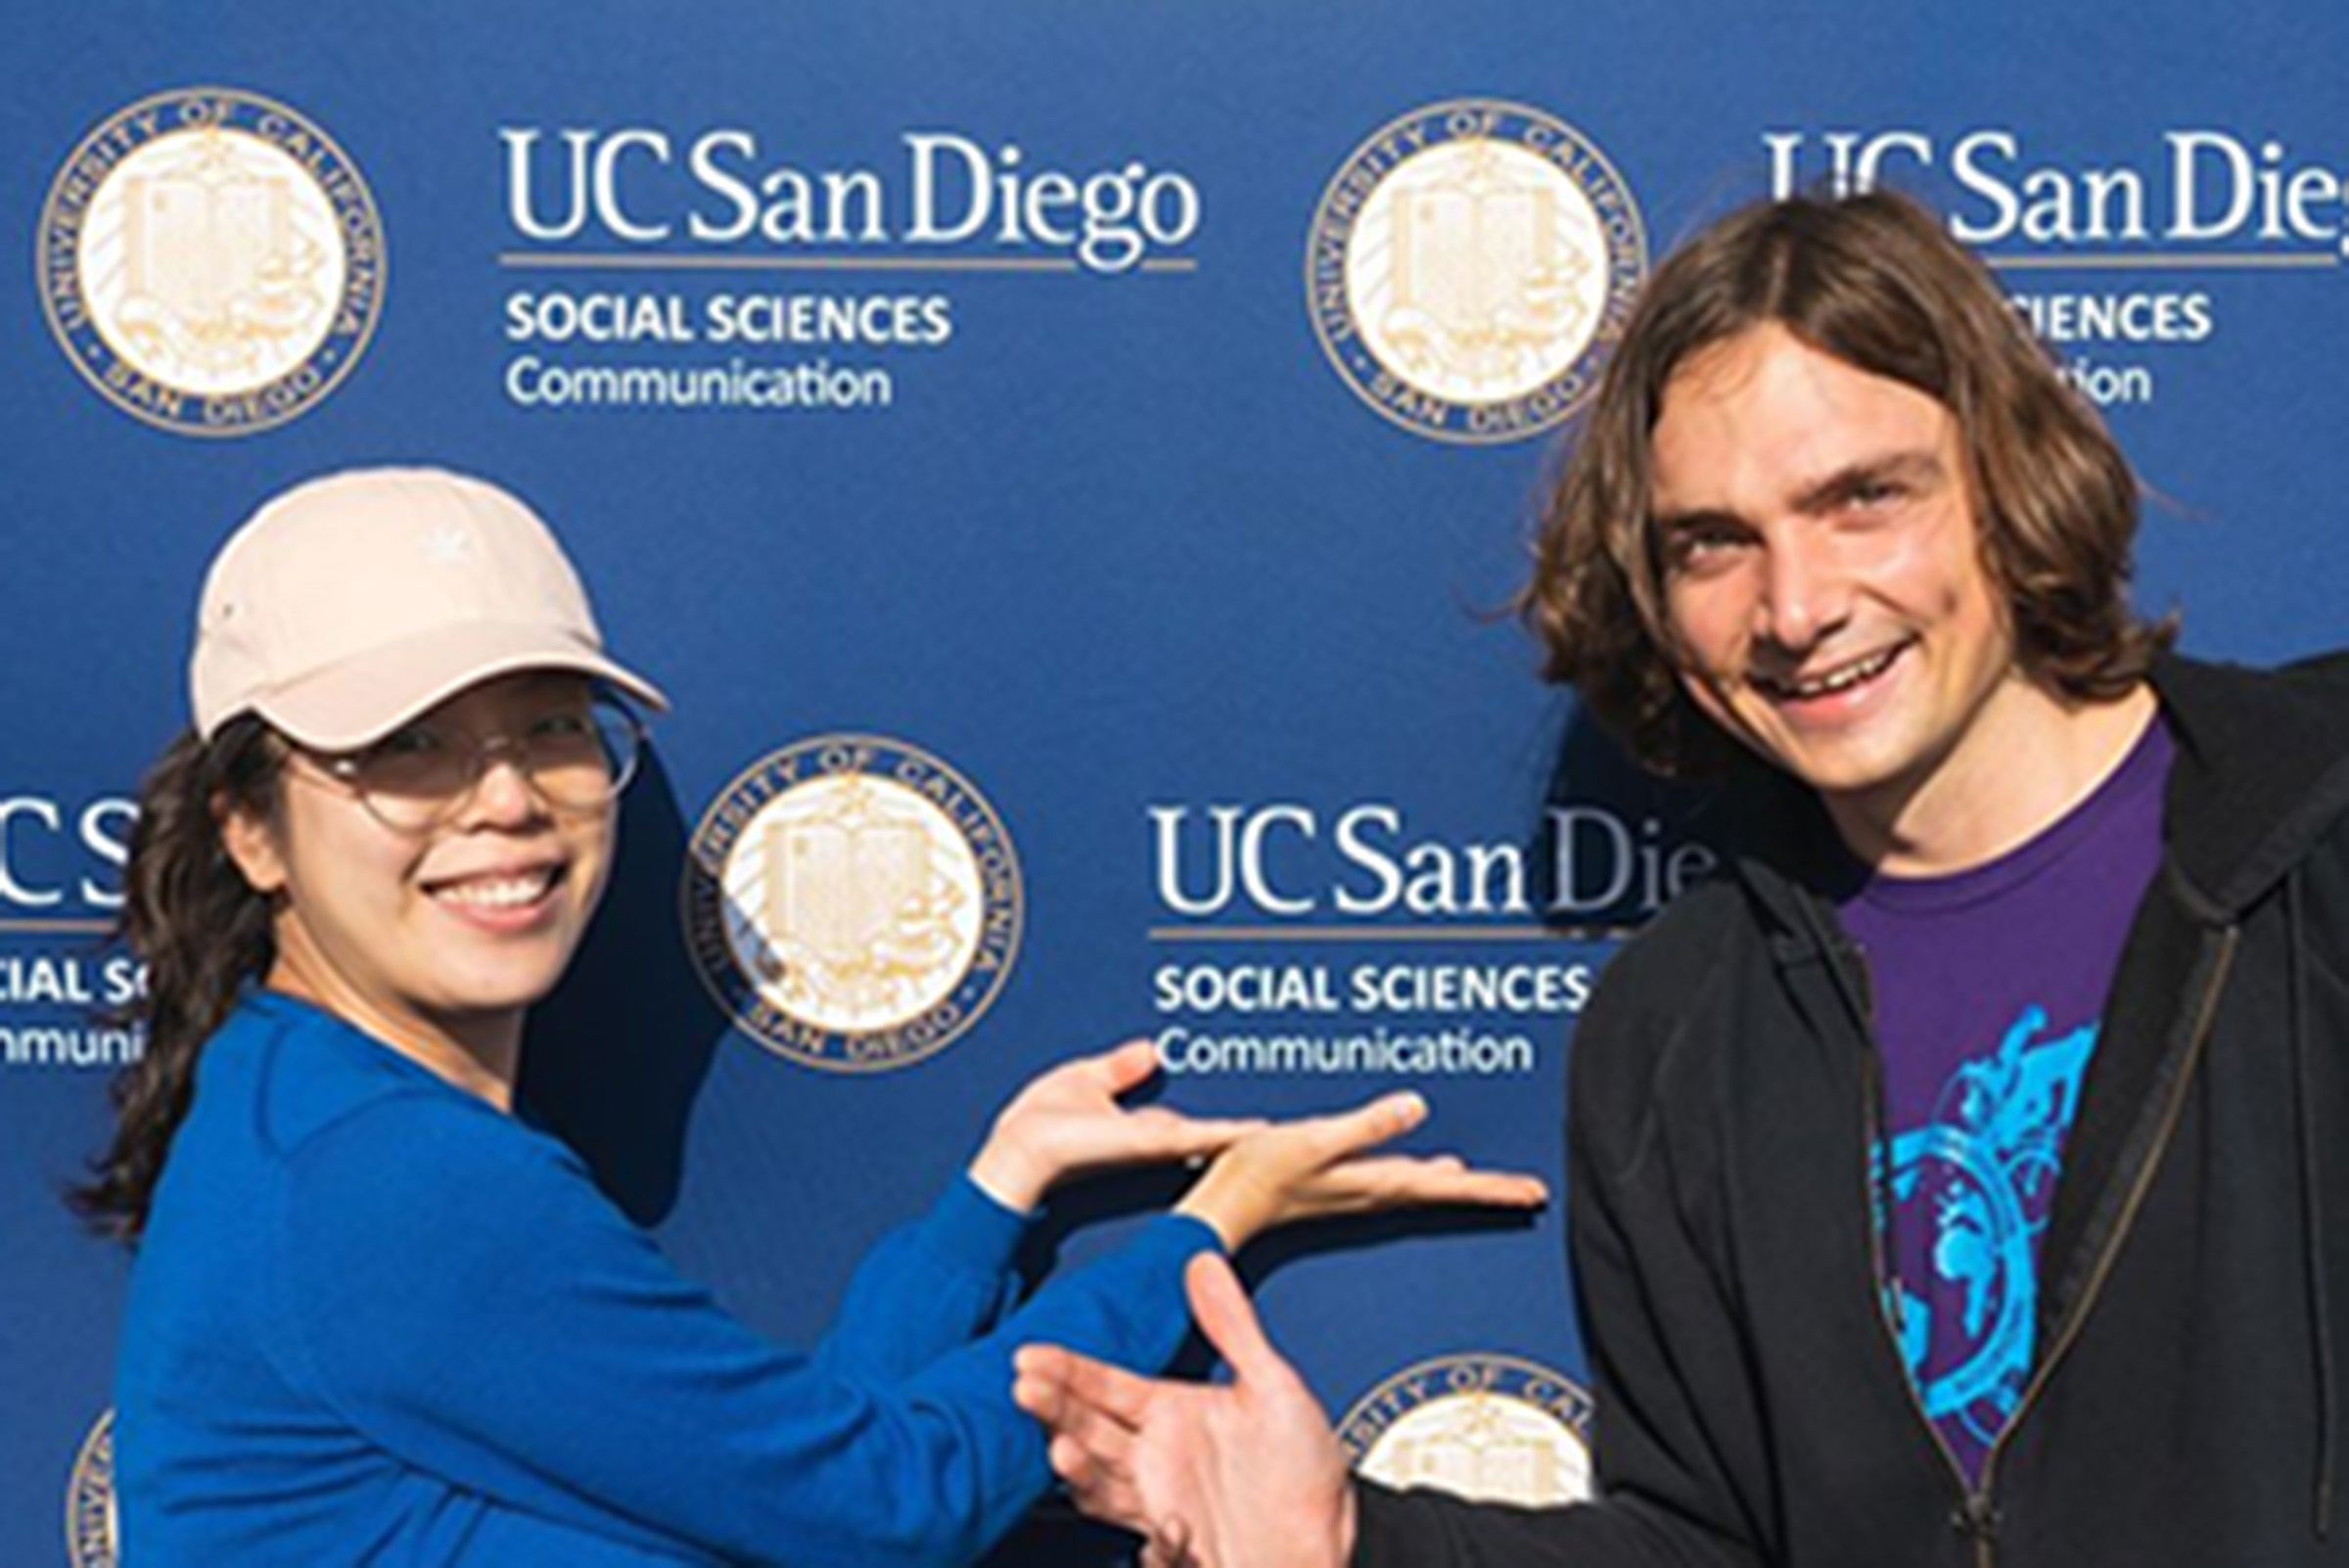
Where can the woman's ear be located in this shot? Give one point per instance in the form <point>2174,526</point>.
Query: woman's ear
<point>251,840</point>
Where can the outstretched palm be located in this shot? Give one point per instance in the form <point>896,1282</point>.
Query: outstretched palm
<point>1212,1476</point>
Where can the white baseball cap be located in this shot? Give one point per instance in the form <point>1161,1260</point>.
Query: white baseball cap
<point>350,604</point>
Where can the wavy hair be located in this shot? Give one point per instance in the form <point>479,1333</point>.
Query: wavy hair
<point>205,936</point>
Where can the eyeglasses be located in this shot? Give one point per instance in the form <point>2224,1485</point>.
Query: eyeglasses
<point>423,774</point>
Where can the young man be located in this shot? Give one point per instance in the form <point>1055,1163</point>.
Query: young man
<point>1950,1182</point>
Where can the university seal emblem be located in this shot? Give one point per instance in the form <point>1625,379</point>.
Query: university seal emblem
<point>1470,265</point>
<point>212,261</point>
<point>1493,1428</point>
<point>853,902</point>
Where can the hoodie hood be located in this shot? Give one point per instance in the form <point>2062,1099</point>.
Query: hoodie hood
<point>2262,770</point>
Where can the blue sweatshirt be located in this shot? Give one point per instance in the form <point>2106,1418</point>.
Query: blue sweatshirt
<point>375,1320</point>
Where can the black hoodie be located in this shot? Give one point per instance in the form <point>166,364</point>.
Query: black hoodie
<point>2185,1401</point>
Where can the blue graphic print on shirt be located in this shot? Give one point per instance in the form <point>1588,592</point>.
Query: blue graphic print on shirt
<point>1988,988</point>
<point>1973,1187</point>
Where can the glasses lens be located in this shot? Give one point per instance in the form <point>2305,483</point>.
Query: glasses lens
<point>410,777</point>
<point>584,758</point>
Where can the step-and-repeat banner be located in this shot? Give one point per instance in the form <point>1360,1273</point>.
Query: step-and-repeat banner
<point>1070,464</point>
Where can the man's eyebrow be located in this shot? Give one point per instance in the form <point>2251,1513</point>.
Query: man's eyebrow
<point>1691,520</point>
<point>1916,466</point>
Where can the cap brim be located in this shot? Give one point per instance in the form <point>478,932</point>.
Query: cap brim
<point>360,701</point>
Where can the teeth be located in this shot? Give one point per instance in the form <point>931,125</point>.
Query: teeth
<point>1835,680</point>
<point>501,893</point>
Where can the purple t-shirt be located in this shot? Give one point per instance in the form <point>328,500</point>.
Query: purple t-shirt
<point>1989,988</point>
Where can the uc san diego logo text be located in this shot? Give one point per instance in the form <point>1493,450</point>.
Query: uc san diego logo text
<point>212,261</point>
<point>1469,267</point>
<point>853,902</point>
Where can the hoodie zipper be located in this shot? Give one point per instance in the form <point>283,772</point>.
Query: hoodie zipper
<point>2069,1331</point>
<point>1977,1515</point>
<point>1972,1515</point>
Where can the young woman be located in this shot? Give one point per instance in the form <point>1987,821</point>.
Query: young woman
<point>377,1315</point>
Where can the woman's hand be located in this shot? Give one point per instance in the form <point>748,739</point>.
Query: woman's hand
<point>1068,1122</point>
<point>1316,1167</point>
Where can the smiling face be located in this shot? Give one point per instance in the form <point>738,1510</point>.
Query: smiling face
<point>434,942</point>
<point>1825,589</point>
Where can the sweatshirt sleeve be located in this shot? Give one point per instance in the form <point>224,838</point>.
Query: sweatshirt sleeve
<point>926,1288</point>
<point>1662,1345</point>
<point>456,1289</point>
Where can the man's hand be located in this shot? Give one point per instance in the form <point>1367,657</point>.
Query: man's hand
<point>1067,1120</point>
<point>1243,1475</point>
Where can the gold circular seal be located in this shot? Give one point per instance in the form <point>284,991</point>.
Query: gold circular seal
<point>853,902</point>
<point>1469,267</point>
<point>92,1535</point>
<point>1490,1428</point>
<point>212,261</point>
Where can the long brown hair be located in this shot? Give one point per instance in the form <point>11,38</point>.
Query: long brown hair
<point>203,934</point>
<point>1874,281</point>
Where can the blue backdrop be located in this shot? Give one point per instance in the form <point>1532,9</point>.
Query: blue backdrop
<point>1110,433</point>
